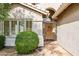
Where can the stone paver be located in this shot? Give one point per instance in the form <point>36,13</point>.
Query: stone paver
<point>51,48</point>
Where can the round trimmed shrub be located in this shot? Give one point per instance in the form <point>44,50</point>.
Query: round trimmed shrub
<point>26,42</point>
<point>2,41</point>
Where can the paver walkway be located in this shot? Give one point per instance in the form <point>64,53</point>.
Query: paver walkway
<point>50,49</point>
<point>53,49</point>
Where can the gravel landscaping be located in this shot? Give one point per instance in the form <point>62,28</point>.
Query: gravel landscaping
<point>51,48</point>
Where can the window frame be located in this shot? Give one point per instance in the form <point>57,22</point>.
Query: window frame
<point>27,26</point>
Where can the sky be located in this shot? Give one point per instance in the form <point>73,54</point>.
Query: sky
<point>43,6</point>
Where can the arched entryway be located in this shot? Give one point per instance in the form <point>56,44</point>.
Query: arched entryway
<point>49,30</point>
<point>49,26</point>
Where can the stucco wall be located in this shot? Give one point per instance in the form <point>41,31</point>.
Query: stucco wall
<point>37,27</point>
<point>36,24</point>
<point>68,29</point>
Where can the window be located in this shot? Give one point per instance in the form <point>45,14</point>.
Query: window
<point>6,27</point>
<point>21,26</point>
<point>28,25</point>
<point>10,27</point>
<point>14,27</point>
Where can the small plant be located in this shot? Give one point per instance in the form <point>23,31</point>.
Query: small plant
<point>26,42</point>
<point>2,41</point>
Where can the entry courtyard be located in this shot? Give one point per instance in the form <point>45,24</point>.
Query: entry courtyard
<point>51,48</point>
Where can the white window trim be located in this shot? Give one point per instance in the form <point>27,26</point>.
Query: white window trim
<point>10,27</point>
<point>24,25</point>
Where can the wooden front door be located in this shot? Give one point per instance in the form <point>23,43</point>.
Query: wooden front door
<point>48,35</point>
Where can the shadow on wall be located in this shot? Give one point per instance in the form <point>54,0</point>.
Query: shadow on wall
<point>71,14</point>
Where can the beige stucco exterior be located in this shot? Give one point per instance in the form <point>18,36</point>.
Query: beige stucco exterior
<point>37,23</point>
<point>68,29</point>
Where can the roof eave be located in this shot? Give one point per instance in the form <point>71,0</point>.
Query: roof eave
<point>60,10</point>
<point>34,8</point>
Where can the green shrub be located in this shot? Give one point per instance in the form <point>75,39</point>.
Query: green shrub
<point>26,42</point>
<point>2,41</point>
